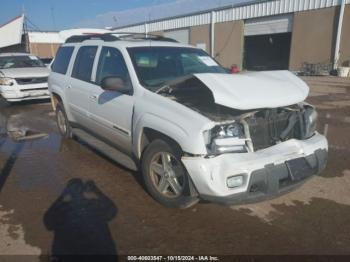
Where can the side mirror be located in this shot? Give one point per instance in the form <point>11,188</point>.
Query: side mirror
<point>115,83</point>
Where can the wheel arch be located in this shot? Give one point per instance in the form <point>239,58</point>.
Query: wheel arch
<point>150,127</point>
<point>149,134</point>
<point>55,99</point>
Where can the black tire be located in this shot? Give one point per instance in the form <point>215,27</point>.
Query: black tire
<point>61,119</point>
<point>185,199</point>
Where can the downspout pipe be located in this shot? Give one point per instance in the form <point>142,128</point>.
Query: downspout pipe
<point>146,29</point>
<point>339,34</point>
<point>212,34</point>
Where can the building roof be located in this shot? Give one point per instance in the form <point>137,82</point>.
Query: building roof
<point>241,11</point>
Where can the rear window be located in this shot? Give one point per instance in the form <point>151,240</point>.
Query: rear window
<point>84,63</point>
<point>61,62</point>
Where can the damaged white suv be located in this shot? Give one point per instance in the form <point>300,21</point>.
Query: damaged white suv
<point>193,130</point>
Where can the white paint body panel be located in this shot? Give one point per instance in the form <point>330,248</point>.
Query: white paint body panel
<point>25,72</point>
<point>256,90</point>
<point>210,175</point>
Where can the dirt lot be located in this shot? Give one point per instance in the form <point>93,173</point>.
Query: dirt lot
<point>35,218</point>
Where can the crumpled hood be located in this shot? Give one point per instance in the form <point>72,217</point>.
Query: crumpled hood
<point>27,72</point>
<point>269,89</point>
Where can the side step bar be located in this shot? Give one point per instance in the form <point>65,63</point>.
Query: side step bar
<point>106,149</point>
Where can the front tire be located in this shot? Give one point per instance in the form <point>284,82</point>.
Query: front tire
<point>165,177</point>
<point>63,122</point>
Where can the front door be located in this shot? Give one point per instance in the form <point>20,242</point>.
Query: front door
<point>112,111</point>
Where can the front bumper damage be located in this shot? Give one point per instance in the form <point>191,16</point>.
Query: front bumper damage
<point>267,173</point>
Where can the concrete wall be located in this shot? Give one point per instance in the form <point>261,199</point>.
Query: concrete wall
<point>44,50</point>
<point>313,37</point>
<point>229,41</point>
<point>345,42</point>
<point>200,35</point>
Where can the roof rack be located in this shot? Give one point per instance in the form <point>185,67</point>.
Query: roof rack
<point>82,38</point>
<point>143,36</point>
<point>115,36</point>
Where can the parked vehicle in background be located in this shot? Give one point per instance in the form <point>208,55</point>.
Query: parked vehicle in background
<point>193,130</point>
<point>22,77</point>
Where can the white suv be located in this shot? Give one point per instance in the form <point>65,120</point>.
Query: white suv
<point>193,130</point>
<point>23,77</point>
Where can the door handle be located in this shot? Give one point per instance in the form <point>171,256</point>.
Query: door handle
<point>93,97</point>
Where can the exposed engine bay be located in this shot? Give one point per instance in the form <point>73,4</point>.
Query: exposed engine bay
<point>269,127</point>
<point>261,128</point>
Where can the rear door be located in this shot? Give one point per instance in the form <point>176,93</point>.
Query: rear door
<point>80,85</point>
<point>112,111</point>
<point>58,77</point>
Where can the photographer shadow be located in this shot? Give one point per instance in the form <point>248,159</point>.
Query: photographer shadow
<point>79,219</point>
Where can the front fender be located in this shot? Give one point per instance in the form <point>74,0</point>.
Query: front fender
<point>189,142</point>
<point>164,126</point>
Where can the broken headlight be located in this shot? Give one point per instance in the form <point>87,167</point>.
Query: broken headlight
<point>310,120</point>
<point>226,139</point>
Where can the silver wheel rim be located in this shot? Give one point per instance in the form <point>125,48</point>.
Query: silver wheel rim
<point>167,175</point>
<point>61,120</point>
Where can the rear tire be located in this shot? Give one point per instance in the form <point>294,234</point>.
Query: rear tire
<point>165,177</point>
<point>62,122</point>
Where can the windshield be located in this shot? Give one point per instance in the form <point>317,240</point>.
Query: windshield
<point>7,62</point>
<point>156,66</point>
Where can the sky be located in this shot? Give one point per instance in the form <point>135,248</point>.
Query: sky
<point>47,15</point>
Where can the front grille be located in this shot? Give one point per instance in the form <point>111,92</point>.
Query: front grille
<point>267,126</point>
<point>30,81</point>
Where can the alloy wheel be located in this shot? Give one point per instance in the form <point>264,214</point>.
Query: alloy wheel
<point>167,174</point>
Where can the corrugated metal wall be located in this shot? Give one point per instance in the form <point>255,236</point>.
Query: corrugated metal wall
<point>254,10</point>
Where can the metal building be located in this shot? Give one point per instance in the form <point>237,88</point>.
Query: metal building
<point>264,35</point>
<point>15,38</point>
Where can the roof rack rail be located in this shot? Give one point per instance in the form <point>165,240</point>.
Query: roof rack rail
<point>81,38</point>
<point>115,36</point>
<point>143,36</point>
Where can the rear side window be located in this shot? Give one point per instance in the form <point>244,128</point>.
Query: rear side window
<point>84,63</point>
<point>61,62</point>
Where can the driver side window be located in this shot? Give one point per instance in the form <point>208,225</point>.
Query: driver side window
<point>111,63</point>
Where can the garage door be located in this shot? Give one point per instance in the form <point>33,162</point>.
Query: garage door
<point>269,25</point>
<point>182,36</point>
